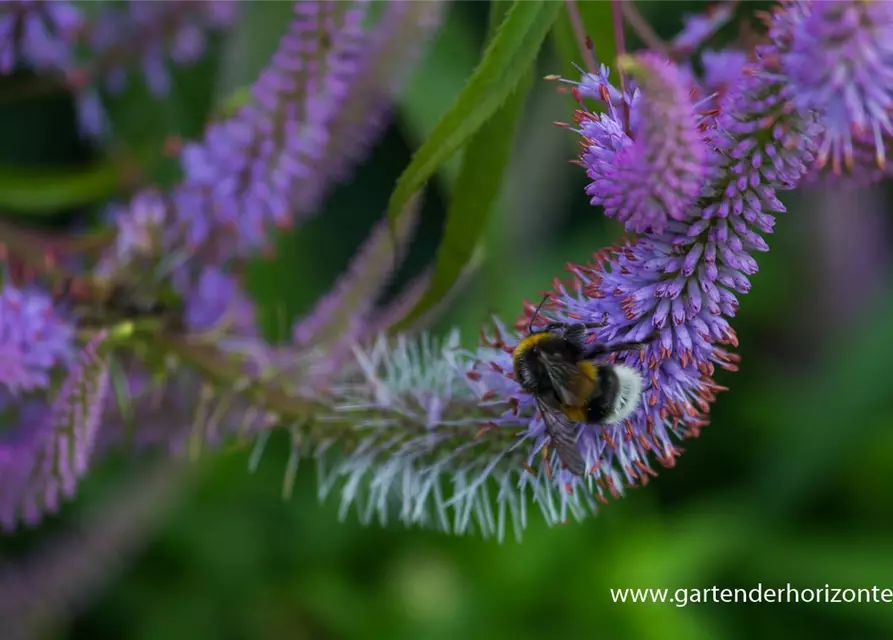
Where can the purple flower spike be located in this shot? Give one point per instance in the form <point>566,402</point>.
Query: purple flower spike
<point>656,174</point>
<point>45,455</point>
<point>33,340</point>
<point>256,170</point>
<point>838,58</point>
<point>677,288</point>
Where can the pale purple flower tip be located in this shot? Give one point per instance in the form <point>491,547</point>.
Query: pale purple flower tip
<point>38,33</point>
<point>48,450</point>
<point>34,339</point>
<point>657,173</point>
<point>837,56</point>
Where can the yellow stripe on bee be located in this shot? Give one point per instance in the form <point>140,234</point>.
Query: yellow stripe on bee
<point>588,369</point>
<point>577,414</point>
<point>529,342</point>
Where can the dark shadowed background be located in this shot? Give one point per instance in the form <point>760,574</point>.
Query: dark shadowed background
<point>791,482</point>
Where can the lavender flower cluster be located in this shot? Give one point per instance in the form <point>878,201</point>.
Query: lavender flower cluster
<point>690,163</point>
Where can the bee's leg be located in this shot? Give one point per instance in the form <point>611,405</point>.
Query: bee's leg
<point>599,350</point>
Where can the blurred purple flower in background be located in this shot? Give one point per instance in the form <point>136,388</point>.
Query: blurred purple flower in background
<point>216,304</point>
<point>158,239</point>
<point>837,57</point>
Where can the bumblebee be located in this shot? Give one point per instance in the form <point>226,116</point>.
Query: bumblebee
<point>557,367</point>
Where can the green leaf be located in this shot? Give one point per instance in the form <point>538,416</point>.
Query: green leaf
<point>475,192</point>
<point>435,85</point>
<point>506,60</point>
<point>48,191</point>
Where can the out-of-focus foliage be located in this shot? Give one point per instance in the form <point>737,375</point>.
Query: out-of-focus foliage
<point>787,485</point>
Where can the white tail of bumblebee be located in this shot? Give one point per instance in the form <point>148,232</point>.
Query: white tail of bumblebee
<point>628,394</point>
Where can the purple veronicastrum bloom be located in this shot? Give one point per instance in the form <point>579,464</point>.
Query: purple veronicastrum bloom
<point>681,283</point>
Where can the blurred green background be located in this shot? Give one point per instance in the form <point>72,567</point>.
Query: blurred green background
<point>789,483</point>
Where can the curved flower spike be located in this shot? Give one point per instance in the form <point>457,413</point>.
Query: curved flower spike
<point>681,284</point>
<point>47,453</point>
<point>271,162</point>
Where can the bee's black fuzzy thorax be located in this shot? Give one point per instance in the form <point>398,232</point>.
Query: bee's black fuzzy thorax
<point>529,368</point>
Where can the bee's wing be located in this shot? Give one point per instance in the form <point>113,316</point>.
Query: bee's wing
<point>572,386</point>
<point>564,437</point>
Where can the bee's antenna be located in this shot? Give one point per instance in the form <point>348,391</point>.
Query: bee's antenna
<point>536,313</point>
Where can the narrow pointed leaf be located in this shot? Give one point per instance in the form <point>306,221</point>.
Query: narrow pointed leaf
<point>476,190</point>
<point>505,62</point>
